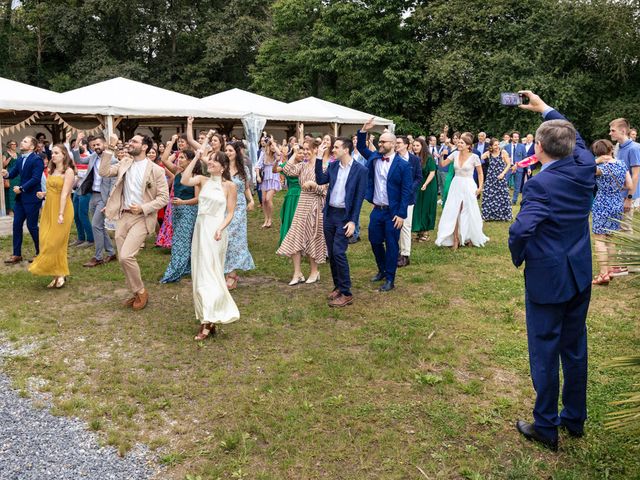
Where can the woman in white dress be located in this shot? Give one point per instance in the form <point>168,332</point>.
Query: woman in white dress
<point>212,301</point>
<point>461,222</point>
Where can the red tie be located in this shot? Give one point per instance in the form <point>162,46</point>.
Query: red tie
<point>385,159</point>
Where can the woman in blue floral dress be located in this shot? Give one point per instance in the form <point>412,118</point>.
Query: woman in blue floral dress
<point>612,177</point>
<point>238,256</point>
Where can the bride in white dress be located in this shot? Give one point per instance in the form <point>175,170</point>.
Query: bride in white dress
<point>461,221</point>
<point>217,201</point>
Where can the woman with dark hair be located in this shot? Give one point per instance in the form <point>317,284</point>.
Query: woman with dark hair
<point>290,202</point>
<point>424,213</point>
<point>184,203</point>
<point>612,177</point>
<point>306,235</point>
<point>212,301</point>
<point>169,161</point>
<point>496,204</point>
<point>461,222</point>
<point>238,255</point>
<point>9,158</point>
<point>328,141</point>
<point>270,182</point>
<point>56,218</point>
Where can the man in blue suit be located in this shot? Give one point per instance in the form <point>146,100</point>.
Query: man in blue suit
<point>402,149</point>
<point>389,190</point>
<point>551,235</point>
<point>27,207</point>
<point>347,181</point>
<point>516,152</point>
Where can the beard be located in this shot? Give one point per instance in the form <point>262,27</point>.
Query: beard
<point>133,151</point>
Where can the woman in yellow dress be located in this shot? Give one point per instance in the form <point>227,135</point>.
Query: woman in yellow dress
<point>56,219</point>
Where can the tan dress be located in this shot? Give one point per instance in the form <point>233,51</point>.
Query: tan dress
<point>306,235</point>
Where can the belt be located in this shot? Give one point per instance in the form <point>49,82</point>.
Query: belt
<point>95,191</point>
<point>337,208</point>
<point>381,207</point>
<point>127,210</point>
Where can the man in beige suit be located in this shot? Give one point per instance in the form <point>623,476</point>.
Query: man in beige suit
<point>140,191</point>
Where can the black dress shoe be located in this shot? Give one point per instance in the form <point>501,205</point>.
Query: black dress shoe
<point>379,276</point>
<point>386,286</point>
<point>573,433</point>
<point>530,433</point>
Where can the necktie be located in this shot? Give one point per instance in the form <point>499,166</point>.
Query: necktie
<point>385,159</point>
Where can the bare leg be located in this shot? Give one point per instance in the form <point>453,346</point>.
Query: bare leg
<point>456,231</point>
<point>601,249</point>
<point>314,267</point>
<point>268,207</point>
<point>297,270</point>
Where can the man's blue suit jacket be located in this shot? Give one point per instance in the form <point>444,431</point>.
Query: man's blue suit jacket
<point>551,233</point>
<point>519,152</point>
<point>398,180</point>
<point>30,178</point>
<point>354,189</point>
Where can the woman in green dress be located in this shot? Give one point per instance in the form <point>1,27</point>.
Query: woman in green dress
<point>290,202</point>
<point>424,213</point>
<point>8,161</point>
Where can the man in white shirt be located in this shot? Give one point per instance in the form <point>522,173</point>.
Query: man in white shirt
<point>140,191</point>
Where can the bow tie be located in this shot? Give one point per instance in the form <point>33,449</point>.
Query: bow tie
<point>385,159</point>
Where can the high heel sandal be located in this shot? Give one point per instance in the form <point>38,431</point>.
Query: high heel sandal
<point>313,279</point>
<point>53,283</point>
<point>60,282</point>
<point>206,329</point>
<point>601,279</point>
<point>296,280</point>
<point>234,282</point>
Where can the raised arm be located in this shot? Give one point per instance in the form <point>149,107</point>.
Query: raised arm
<point>106,168</point>
<point>190,140</point>
<point>322,177</point>
<point>166,155</point>
<point>362,139</point>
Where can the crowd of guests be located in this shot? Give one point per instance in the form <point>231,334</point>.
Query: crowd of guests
<point>208,185</point>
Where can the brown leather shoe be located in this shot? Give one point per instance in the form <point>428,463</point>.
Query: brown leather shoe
<point>94,262</point>
<point>341,301</point>
<point>13,259</point>
<point>141,300</point>
<point>333,295</point>
<point>110,258</point>
<point>129,302</point>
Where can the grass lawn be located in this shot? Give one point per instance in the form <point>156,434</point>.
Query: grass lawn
<point>423,382</point>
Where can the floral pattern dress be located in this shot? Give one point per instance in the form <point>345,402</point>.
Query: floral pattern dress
<point>608,205</point>
<point>238,256</point>
<point>496,204</point>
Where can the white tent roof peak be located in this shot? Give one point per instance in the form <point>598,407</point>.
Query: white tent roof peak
<point>337,113</point>
<point>20,96</point>
<point>123,97</point>
<point>252,104</point>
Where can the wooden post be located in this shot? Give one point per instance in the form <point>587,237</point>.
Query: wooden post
<point>336,130</point>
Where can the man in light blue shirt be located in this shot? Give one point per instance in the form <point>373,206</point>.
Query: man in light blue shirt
<point>629,153</point>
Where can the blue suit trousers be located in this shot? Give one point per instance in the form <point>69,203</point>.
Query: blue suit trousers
<point>383,234</point>
<point>30,213</point>
<point>558,332</point>
<point>337,245</point>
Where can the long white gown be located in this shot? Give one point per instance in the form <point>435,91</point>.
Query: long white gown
<point>211,298</point>
<point>462,192</point>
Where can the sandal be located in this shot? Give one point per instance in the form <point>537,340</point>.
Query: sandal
<point>234,281</point>
<point>206,329</point>
<point>53,283</point>
<point>59,282</point>
<point>601,279</point>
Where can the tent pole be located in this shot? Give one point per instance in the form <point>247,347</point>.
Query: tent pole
<point>109,126</point>
<point>336,129</point>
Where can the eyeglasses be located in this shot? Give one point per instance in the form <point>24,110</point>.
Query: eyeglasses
<point>385,141</point>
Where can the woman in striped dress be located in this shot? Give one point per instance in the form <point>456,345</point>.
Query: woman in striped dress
<point>305,236</point>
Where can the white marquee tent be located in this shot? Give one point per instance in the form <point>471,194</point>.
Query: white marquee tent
<point>315,109</point>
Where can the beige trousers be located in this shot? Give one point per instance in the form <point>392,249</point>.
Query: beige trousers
<point>131,230</point>
<point>405,233</point>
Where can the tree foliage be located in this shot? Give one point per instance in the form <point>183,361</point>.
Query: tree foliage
<point>423,63</point>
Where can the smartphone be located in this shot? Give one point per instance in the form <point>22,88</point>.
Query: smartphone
<point>511,99</point>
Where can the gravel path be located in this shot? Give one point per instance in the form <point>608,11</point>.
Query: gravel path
<point>35,445</point>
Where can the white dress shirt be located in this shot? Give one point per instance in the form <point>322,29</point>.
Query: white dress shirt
<point>133,183</point>
<point>380,196</point>
<point>97,179</point>
<point>338,191</point>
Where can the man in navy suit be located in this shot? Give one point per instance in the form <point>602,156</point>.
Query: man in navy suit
<point>479,148</point>
<point>27,207</point>
<point>516,152</point>
<point>402,149</point>
<point>551,235</point>
<point>389,190</point>
<point>347,181</point>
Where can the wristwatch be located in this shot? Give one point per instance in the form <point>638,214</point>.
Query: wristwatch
<point>630,197</point>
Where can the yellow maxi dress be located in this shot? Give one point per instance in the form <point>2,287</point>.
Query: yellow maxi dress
<point>54,237</point>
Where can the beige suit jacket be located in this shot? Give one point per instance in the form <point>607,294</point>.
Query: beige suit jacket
<point>154,197</point>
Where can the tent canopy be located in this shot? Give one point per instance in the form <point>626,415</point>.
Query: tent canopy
<point>315,109</point>
<point>253,104</point>
<point>16,96</point>
<point>124,97</point>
